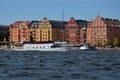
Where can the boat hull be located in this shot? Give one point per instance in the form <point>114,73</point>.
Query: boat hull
<point>49,49</point>
<point>39,47</point>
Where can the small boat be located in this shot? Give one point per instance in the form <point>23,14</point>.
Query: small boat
<point>40,47</point>
<point>84,47</point>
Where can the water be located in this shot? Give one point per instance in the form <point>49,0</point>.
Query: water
<point>73,65</point>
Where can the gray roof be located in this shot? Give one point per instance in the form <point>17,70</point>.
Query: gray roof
<point>82,23</point>
<point>34,24</point>
<point>57,24</point>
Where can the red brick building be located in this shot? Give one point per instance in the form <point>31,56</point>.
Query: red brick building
<point>72,32</point>
<point>82,24</point>
<point>102,29</point>
<point>19,32</point>
<point>75,31</point>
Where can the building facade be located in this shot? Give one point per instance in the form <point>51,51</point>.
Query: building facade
<point>83,25</point>
<point>19,32</point>
<point>58,30</point>
<point>32,29</point>
<point>72,35</point>
<point>100,30</point>
<point>75,31</point>
<point>44,31</point>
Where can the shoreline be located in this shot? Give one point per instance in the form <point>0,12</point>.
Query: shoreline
<point>109,49</point>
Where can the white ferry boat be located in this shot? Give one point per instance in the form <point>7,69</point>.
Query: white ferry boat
<point>40,47</point>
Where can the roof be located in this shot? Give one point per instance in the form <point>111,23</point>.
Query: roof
<point>110,21</point>
<point>17,23</point>
<point>82,23</point>
<point>34,24</point>
<point>57,24</point>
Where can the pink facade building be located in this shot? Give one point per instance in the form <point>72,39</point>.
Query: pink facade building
<point>100,30</point>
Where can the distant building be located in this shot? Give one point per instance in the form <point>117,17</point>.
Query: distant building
<point>46,30</point>
<point>58,30</point>
<point>19,32</point>
<point>32,29</point>
<point>83,25</point>
<point>100,30</point>
<point>75,31</point>
<point>40,31</point>
<point>72,32</point>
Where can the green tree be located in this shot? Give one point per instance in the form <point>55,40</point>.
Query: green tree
<point>99,42</point>
<point>107,42</point>
<point>4,35</point>
<point>116,42</point>
<point>88,43</point>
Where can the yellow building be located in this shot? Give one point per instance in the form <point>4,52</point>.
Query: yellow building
<point>44,31</point>
<point>32,28</point>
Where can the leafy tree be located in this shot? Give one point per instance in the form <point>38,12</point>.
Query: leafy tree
<point>107,42</point>
<point>88,43</point>
<point>116,42</point>
<point>99,42</point>
<point>4,35</point>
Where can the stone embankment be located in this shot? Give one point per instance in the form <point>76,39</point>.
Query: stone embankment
<point>108,49</point>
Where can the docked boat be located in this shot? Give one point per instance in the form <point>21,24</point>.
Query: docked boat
<point>84,47</point>
<point>40,47</point>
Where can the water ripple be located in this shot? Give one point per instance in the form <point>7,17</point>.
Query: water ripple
<point>72,65</point>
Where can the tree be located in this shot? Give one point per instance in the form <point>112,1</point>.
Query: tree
<point>107,42</point>
<point>116,42</point>
<point>4,35</point>
<point>88,43</point>
<point>99,42</point>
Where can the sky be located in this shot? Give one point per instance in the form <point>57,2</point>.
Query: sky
<point>28,10</point>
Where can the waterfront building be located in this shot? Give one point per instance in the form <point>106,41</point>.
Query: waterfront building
<point>102,30</point>
<point>72,30</point>
<point>19,32</point>
<point>44,31</point>
<point>83,25</point>
<point>58,30</point>
<point>32,30</point>
<point>75,31</point>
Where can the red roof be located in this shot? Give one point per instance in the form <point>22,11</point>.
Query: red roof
<point>17,23</point>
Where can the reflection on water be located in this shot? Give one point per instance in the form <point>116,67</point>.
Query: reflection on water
<point>73,65</point>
